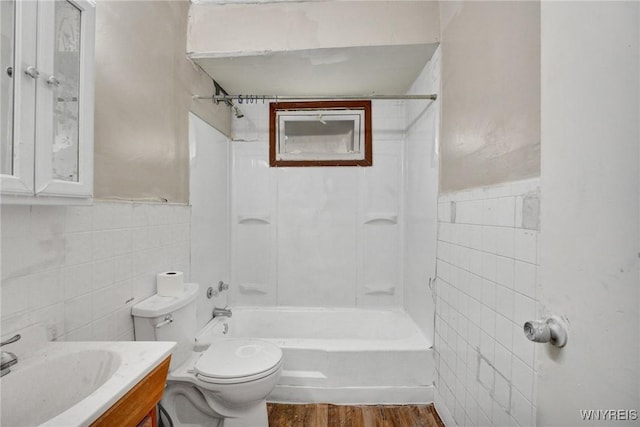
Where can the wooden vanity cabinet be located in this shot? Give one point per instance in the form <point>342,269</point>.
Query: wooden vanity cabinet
<point>137,408</point>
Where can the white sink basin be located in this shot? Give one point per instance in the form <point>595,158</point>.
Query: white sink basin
<point>71,383</point>
<point>50,386</point>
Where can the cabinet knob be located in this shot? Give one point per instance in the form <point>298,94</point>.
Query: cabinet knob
<point>32,72</point>
<point>53,81</point>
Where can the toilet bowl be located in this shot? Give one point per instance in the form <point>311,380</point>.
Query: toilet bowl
<point>225,385</point>
<point>234,390</point>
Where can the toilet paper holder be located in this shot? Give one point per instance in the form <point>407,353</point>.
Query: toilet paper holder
<point>553,330</point>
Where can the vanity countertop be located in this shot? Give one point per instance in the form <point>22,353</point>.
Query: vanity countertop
<point>46,386</point>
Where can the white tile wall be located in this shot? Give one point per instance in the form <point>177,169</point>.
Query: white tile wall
<point>79,269</point>
<point>487,269</point>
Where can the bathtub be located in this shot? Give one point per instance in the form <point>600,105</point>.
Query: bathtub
<point>338,355</point>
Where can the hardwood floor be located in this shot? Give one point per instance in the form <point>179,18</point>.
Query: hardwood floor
<point>325,415</point>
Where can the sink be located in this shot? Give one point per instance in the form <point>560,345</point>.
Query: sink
<point>52,385</point>
<point>71,383</point>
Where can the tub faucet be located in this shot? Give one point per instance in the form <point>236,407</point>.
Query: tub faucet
<point>8,359</point>
<point>222,312</point>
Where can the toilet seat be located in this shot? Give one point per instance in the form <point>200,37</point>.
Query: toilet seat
<point>238,380</point>
<point>238,360</point>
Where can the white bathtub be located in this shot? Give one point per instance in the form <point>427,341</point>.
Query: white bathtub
<point>342,355</point>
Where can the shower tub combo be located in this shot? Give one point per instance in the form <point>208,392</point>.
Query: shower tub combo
<point>338,355</point>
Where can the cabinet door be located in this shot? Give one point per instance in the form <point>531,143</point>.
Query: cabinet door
<point>18,79</point>
<point>64,99</point>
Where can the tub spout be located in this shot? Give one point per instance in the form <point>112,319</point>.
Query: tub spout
<point>222,312</point>
<point>8,359</point>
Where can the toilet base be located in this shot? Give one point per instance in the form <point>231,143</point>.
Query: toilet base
<point>188,406</point>
<point>256,416</point>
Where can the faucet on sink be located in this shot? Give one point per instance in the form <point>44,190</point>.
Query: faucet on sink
<point>8,359</point>
<point>222,312</point>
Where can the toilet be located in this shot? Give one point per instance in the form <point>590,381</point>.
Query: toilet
<point>224,386</point>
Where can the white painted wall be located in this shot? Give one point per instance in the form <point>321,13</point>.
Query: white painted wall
<point>287,26</point>
<point>313,47</point>
<point>590,189</point>
<point>209,196</point>
<point>144,84</point>
<point>421,187</point>
<point>490,92</point>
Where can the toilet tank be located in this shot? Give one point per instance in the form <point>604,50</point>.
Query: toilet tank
<point>160,318</point>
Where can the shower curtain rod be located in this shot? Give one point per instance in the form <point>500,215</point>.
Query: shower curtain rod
<point>254,98</point>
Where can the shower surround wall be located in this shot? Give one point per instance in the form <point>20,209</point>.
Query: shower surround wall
<point>339,236</point>
<point>79,269</point>
<point>421,184</point>
<point>486,289</point>
<point>317,236</point>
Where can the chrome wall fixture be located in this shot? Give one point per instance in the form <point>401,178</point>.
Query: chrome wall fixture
<point>8,359</point>
<point>220,92</point>
<point>211,292</point>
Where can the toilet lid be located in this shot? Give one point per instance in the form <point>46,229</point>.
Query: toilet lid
<point>237,357</point>
<point>219,381</point>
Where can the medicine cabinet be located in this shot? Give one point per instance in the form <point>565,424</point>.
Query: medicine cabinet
<point>324,133</point>
<point>46,116</point>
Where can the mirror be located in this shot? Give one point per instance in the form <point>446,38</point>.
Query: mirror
<point>66,71</point>
<point>7,55</point>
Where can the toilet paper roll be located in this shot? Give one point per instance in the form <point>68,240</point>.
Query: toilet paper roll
<point>170,283</point>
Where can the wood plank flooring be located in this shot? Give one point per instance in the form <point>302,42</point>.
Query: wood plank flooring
<point>325,415</point>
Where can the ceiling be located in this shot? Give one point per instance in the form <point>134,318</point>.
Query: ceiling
<point>361,70</point>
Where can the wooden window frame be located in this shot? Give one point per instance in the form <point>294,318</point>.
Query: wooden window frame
<point>275,107</point>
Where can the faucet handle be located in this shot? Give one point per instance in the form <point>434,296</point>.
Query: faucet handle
<point>211,292</point>
<point>11,340</point>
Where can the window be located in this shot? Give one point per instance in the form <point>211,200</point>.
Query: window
<point>323,133</point>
